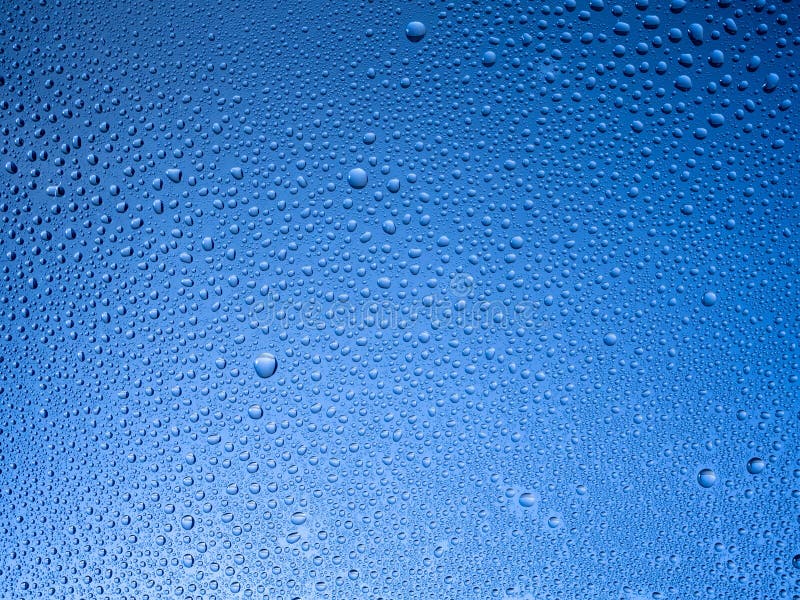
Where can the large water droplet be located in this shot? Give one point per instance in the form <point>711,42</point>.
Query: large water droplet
<point>415,31</point>
<point>266,364</point>
<point>357,178</point>
<point>706,478</point>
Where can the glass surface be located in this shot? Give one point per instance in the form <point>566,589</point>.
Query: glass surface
<point>443,300</point>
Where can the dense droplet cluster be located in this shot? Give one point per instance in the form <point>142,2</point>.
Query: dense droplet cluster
<point>419,300</point>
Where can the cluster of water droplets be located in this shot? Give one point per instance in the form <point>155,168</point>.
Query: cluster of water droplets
<point>424,300</point>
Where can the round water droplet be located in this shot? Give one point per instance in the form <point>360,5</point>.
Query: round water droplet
<point>266,364</point>
<point>415,31</point>
<point>706,478</point>
<point>709,299</point>
<point>187,522</point>
<point>357,178</point>
<point>255,411</point>
<point>755,465</point>
<point>610,339</point>
<point>527,499</point>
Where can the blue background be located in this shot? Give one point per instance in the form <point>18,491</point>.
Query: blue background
<point>531,350</point>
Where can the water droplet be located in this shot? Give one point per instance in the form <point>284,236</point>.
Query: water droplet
<point>357,178</point>
<point>709,299</point>
<point>755,465</point>
<point>266,364</point>
<point>706,478</point>
<point>175,175</point>
<point>415,31</point>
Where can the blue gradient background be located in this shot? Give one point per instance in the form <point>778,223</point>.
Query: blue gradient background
<point>569,285</point>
